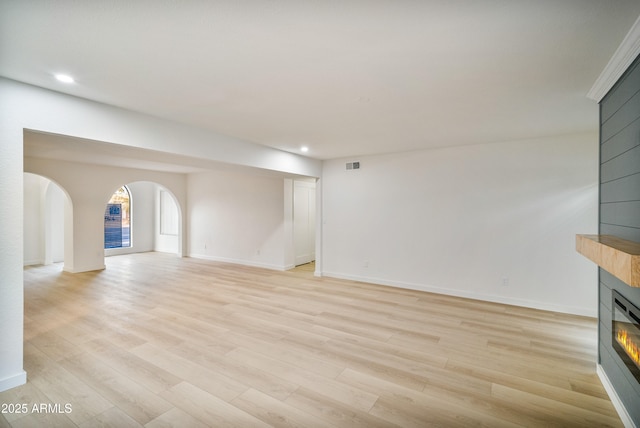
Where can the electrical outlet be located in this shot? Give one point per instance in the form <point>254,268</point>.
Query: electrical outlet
<point>505,281</point>
<point>366,263</point>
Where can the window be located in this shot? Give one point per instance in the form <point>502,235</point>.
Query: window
<point>117,220</point>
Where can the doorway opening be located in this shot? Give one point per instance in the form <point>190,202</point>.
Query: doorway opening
<point>117,220</point>
<point>47,218</point>
<point>142,216</point>
<point>304,223</point>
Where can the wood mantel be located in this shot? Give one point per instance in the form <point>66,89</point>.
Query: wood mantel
<point>619,257</point>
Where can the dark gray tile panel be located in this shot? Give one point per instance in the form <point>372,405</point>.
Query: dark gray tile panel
<point>621,214</point>
<point>630,233</point>
<point>621,190</point>
<point>626,87</point>
<point>628,389</point>
<point>621,166</point>
<point>620,143</point>
<point>628,113</point>
<point>609,282</point>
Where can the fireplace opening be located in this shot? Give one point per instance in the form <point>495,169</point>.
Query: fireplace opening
<point>625,330</point>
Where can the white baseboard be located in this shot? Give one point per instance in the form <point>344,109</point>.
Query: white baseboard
<point>13,381</point>
<point>470,295</point>
<point>241,262</point>
<point>83,269</point>
<point>108,252</point>
<point>615,399</point>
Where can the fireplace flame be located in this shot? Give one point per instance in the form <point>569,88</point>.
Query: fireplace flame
<point>629,346</point>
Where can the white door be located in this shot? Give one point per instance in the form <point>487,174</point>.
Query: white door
<point>304,221</point>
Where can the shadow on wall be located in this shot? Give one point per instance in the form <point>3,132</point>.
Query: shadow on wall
<point>47,209</point>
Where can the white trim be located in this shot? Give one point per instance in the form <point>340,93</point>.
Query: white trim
<point>242,262</point>
<point>87,268</point>
<point>593,313</point>
<point>615,399</point>
<point>13,381</point>
<point>628,50</point>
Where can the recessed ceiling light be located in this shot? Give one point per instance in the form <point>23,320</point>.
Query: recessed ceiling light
<point>65,78</point>
<point>304,149</point>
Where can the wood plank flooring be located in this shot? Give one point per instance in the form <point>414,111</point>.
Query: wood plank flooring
<point>159,341</point>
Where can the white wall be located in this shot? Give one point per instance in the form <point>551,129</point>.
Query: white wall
<point>34,188</point>
<point>467,220</point>
<point>43,221</point>
<point>237,218</point>
<point>56,206</point>
<point>11,247</point>
<point>289,251</point>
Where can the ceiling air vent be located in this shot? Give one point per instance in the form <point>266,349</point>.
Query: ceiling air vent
<point>353,165</point>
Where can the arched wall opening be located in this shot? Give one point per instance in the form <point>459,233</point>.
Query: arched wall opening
<point>90,186</point>
<point>155,222</point>
<point>48,221</point>
<point>117,220</point>
<point>169,222</point>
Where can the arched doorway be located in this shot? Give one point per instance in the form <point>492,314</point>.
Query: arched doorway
<point>47,218</point>
<point>169,221</point>
<point>142,216</point>
<point>117,219</point>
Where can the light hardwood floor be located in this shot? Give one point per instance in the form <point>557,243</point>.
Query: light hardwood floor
<point>159,341</point>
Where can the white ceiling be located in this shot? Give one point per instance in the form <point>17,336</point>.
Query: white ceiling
<point>345,77</point>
